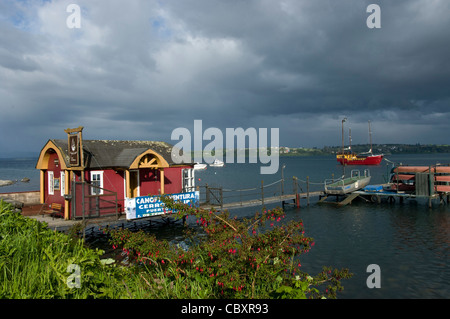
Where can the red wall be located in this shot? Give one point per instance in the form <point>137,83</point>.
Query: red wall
<point>149,180</point>
<point>56,198</point>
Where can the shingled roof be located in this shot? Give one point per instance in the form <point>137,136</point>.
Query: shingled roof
<point>115,154</point>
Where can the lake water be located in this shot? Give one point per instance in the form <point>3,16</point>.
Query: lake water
<point>409,241</point>
<point>16,170</point>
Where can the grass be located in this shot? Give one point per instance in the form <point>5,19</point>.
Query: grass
<point>34,264</point>
<point>37,263</point>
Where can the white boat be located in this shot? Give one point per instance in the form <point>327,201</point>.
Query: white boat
<point>199,166</point>
<point>348,185</point>
<point>217,163</point>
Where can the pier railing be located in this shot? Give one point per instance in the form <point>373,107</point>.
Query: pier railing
<point>266,192</point>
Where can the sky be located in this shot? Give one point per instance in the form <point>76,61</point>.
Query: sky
<point>138,69</point>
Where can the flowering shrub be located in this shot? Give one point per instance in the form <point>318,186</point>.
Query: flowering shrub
<point>231,258</point>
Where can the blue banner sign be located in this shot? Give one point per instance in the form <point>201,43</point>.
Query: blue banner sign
<point>146,206</point>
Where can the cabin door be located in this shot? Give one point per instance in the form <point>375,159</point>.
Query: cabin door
<point>134,184</point>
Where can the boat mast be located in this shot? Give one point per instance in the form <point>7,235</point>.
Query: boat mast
<point>350,138</point>
<point>370,137</point>
<point>345,119</point>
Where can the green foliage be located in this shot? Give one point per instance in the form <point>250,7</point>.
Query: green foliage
<point>34,262</point>
<point>256,257</point>
<point>230,258</point>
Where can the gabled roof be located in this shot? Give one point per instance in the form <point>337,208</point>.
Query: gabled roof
<point>116,154</point>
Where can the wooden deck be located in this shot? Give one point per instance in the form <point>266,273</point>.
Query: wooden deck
<point>282,199</point>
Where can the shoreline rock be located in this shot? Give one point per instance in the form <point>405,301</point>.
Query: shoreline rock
<point>6,182</point>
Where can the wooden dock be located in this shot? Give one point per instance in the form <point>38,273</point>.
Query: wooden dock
<point>282,199</point>
<point>219,198</point>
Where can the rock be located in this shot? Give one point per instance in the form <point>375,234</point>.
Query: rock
<point>25,180</point>
<point>13,202</point>
<point>6,182</point>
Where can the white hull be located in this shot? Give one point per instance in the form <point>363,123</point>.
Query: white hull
<point>348,185</point>
<point>217,163</point>
<point>199,166</point>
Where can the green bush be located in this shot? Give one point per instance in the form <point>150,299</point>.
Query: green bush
<point>231,258</point>
<point>34,262</point>
<point>226,258</point>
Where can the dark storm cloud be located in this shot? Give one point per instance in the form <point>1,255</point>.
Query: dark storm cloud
<point>137,70</point>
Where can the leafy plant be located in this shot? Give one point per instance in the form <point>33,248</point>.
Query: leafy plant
<point>247,258</point>
<point>34,262</point>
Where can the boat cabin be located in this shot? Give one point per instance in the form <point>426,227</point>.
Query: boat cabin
<point>105,173</point>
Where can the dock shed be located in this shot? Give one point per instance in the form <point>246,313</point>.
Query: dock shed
<point>105,172</point>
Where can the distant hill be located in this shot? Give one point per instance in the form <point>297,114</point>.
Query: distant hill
<point>386,149</point>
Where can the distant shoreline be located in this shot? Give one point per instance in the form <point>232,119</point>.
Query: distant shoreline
<point>386,149</point>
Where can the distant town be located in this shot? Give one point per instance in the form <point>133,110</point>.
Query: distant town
<point>386,149</point>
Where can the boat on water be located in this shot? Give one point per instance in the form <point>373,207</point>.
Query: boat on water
<point>217,163</point>
<point>199,166</point>
<point>343,186</point>
<point>348,157</point>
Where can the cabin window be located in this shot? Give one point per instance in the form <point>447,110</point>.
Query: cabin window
<point>188,180</point>
<point>63,183</point>
<point>51,180</point>
<point>97,182</point>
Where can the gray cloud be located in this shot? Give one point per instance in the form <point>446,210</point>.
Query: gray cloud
<point>138,70</point>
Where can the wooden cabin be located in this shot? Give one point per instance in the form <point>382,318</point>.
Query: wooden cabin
<point>109,172</point>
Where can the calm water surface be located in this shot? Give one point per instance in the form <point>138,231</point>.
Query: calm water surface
<point>409,241</point>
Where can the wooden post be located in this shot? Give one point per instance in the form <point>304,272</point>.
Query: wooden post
<point>117,208</point>
<point>240,196</point>
<point>74,195</point>
<point>262,192</point>
<point>42,187</point>
<point>81,153</point>
<point>207,193</point>
<point>161,177</point>
<point>66,192</point>
<point>430,187</point>
<point>307,189</point>
<point>127,184</point>
<point>221,198</point>
<point>82,198</point>
<point>297,196</point>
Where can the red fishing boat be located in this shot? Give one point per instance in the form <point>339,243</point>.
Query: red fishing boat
<point>348,157</point>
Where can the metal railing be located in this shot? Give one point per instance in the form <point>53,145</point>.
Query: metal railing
<point>91,201</point>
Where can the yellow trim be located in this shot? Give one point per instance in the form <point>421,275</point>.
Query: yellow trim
<point>67,192</point>
<point>42,187</point>
<point>161,172</point>
<point>44,156</point>
<point>74,130</point>
<point>145,161</point>
<point>127,184</point>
